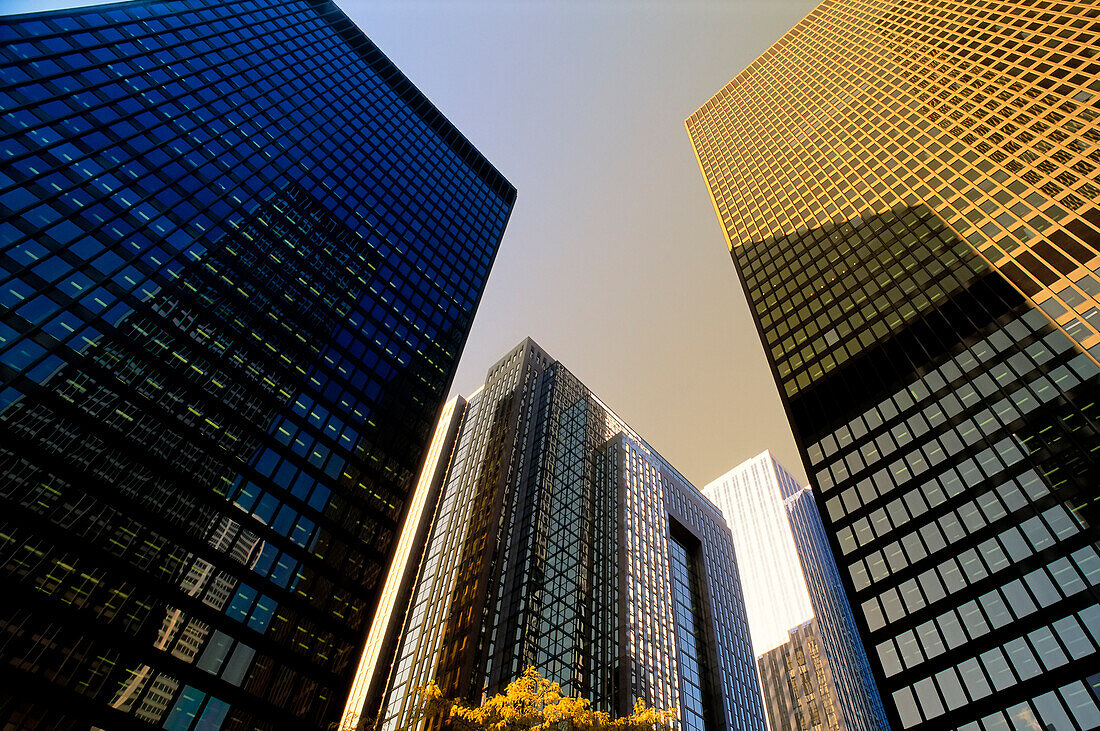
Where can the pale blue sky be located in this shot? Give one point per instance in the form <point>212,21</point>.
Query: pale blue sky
<point>613,261</point>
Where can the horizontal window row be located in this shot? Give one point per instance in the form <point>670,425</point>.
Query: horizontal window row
<point>969,517</point>
<point>966,363</point>
<point>998,669</point>
<point>967,436</point>
<point>928,588</point>
<point>1055,525</point>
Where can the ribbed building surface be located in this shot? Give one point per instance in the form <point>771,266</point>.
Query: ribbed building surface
<point>908,192</point>
<point>240,255</point>
<point>562,541</point>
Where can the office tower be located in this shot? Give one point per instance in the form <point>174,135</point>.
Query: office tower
<point>241,254</point>
<point>907,190</point>
<point>562,541</point>
<point>750,497</point>
<point>849,669</point>
<point>799,690</point>
<point>795,603</point>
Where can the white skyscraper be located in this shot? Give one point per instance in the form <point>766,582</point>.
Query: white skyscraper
<point>813,670</point>
<point>751,498</point>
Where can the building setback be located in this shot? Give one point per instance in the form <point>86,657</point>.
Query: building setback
<point>908,191</point>
<point>795,603</point>
<point>562,540</point>
<point>240,257</point>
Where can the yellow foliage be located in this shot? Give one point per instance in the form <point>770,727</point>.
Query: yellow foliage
<point>531,702</point>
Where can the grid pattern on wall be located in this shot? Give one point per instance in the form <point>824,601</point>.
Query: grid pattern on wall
<point>422,655</point>
<point>690,650</point>
<point>693,650</point>
<point>240,257</point>
<point>649,633</point>
<point>562,585</point>
<point>858,703</point>
<point>750,497</point>
<point>950,428</point>
<point>382,640</point>
<point>932,450</point>
<point>987,115</point>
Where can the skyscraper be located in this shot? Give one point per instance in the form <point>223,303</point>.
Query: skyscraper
<point>751,499</point>
<point>908,191</point>
<point>799,688</point>
<point>240,257</point>
<point>853,683</point>
<point>562,540</point>
<point>813,668</point>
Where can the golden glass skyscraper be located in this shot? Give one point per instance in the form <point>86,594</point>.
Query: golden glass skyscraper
<point>909,192</point>
<point>986,116</point>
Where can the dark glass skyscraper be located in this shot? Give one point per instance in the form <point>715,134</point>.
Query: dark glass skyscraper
<point>557,538</point>
<point>240,257</point>
<point>909,190</point>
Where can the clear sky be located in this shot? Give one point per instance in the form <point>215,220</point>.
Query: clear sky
<point>613,260</point>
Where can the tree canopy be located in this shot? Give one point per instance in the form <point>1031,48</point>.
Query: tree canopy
<point>533,702</point>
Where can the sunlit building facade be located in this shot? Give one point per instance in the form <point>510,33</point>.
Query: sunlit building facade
<point>799,619</point>
<point>240,257</point>
<point>908,190</point>
<point>562,541</point>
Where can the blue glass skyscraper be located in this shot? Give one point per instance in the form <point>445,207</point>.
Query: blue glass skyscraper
<point>239,257</point>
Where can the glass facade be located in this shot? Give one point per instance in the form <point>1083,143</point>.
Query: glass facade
<point>986,115</point>
<point>891,180</point>
<point>750,497</point>
<point>557,536</point>
<point>385,630</point>
<point>836,642</point>
<point>240,254</point>
<point>692,648</point>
